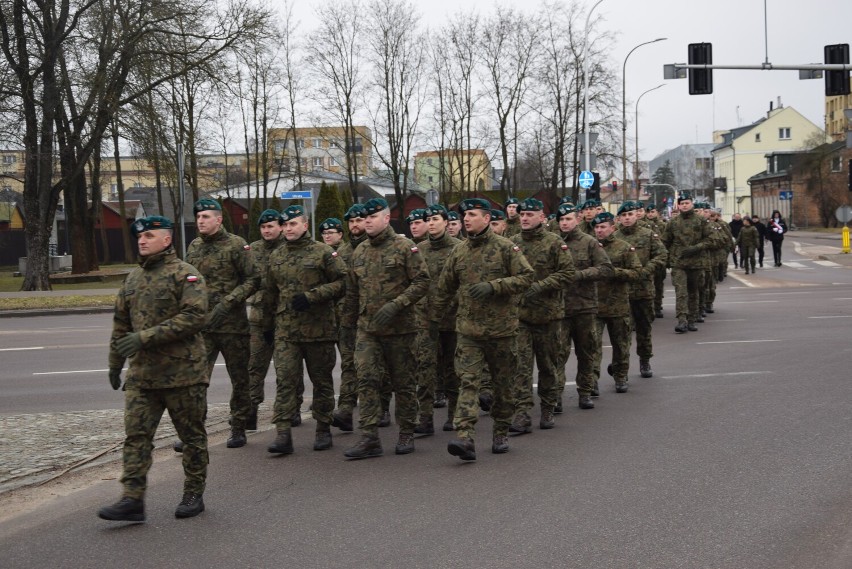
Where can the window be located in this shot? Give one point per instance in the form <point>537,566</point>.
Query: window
<point>430,179</point>
<point>836,164</point>
<point>300,142</point>
<point>429,162</point>
<point>703,163</point>
<point>8,159</point>
<point>757,137</point>
<point>317,162</point>
<point>316,142</point>
<point>784,133</point>
<point>334,144</point>
<point>278,146</point>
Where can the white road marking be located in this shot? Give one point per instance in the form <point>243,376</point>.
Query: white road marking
<point>827,317</point>
<point>828,263</point>
<point>731,320</point>
<point>751,302</point>
<point>777,293</point>
<point>738,342</point>
<point>700,375</point>
<point>841,299</point>
<point>794,265</point>
<point>21,349</point>
<point>79,371</point>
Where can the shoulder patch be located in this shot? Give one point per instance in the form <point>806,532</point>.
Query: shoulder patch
<point>414,249</point>
<point>334,254</point>
<point>564,247</point>
<point>600,244</point>
<point>516,248</point>
<point>633,248</point>
<point>191,278</point>
<point>247,247</point>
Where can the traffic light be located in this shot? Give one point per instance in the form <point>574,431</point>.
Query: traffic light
<point>837,82</point>
<point>700,80</point>
<point>614,186</point>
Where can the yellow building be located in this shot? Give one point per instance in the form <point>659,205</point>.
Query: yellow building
<point>12,170</point>
<point>320,149</point>
<point>464,171</point>
<point>742,152</point>
<point>836,124</point>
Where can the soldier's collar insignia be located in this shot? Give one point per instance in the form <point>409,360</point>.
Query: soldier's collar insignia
<point>191,278</point>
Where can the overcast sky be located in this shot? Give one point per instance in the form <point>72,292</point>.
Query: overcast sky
<point>669,116</point>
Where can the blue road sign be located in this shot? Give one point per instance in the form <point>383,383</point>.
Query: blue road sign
<point>306,195</point>
<point>587,180</point>
<point>785,195</point>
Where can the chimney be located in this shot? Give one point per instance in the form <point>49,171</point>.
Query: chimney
<point>780,105</point>
<point>770,107</point>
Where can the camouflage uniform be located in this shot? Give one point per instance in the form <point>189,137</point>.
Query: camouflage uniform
<point>748,241</point>
<point>303,266</point>
<point>513,227</point>
<point>487,328</point>
<point>614,307</point>
<point>165,301</point>
<point>722,256</point>
<point>348,397</point>
<point>261,352</point>
<point>228,268</point>
<point>539,329</point>
<point>719,246</point>
<point>438,344</point>
<point>685,237</point>
<point>660,273</point>
<point>652,255</point>
<point>386,269</point>
<point>579,323</point>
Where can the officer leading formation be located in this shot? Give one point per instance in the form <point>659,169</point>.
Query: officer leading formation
<point>456,317</point>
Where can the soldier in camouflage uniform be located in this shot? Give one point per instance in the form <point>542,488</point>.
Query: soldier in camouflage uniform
<point>686,237</point>
<point>225,261</point>
<point>454,225</point>
<point>540,317</point>
<point>591,264</point>
<point>512,214</point>
<point>716,245</point>
<point>261,352</point>
<point>348,398</point>
<point>302,282</point>
<point>435,362</point>
<point>331,231</point>
<point>614,307</point>
<point>652,255</point>
<point>387,278</point>
<point>588,211</point>
<point>488,272</point>
<point>417,225</point>
<point>721,270</point>
<point>653,217</point>
<point>160,311</point>
<point>498,222</point>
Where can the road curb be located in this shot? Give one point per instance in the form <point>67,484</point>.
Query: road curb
<point>55,311</point>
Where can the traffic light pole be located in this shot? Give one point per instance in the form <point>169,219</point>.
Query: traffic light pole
<point>767,66</point>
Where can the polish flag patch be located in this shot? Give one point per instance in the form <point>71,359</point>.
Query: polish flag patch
<point>564,247</point>
<point>191,278</point>
<point>247,247</point>
<point>334,254</point>
<point>415,249</point>
<point>515,248</point>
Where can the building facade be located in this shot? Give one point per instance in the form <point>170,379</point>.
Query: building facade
<point>692,167</point>
<point>455,171</point>
<point>320,149</point>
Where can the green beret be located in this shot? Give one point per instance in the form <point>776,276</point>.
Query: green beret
<point>639,205</point>
<point>531,204</point>
<point>650,206</point>
<point>206,204</point>
<point>375,205</point>
<point>356,210</point>
<point>474,203</point>
<point>566,208</point>
<point>416,214</point>
<point>497,215</point>
<point>149,223</point>
<point>511,201</point>
<point>551,216</point>
<point>331,223</point>
<point>684,196</point>
<point>603,217</point>
<point>588,204</point>
<point>269,215</point>
<point>292,212</point>
<point>627,206</point>
<point>437,209</point>
<point>452,216</point>
<point>566,199</point>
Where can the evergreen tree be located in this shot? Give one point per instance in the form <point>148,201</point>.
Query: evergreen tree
<point>329,204</point>
<point>664,174</point>
<point>275,203</point>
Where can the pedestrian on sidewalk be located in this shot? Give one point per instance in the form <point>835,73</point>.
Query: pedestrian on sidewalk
<point>160,311</point>
<point>761,232</point>
<point>748,241</point>
<point>775,230</point>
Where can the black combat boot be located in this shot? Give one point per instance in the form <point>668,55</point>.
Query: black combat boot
<point>682,327</point>
<point>609,369</point>
<point>322,440</point>
<point>546,421</point>
<point>405,443</point>
<point>621,387</point>
<point>237,438</point>
<point>178,446</point>
<point>385,420</point>
<point>448,424</point>
<point>709,309</point>
<point>342,420</point>
<point>367,447</point>
<point>645,368</point>
<point>585,402</point>
<point>283,443</point>
<point>558,409</point>
<point>521,424</point>
<point>426,426</point>
<point>251,419</point>
<point>125,510</point>
<point>296,419</point>
<point>691,327</point>
<point>595,392</point>
<point>190,506</point>
<point>462,448</point>
<point>440,400</point>
<point>486,400</point>
<point>658,313</point>
<point>500,444</point>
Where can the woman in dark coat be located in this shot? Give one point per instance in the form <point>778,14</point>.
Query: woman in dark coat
<point>775,230</point>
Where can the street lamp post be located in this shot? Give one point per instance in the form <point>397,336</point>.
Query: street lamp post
<point>624,111</point>
<point>588,161</point>
<point>636,120</point>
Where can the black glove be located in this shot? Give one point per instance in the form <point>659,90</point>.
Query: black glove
<point>269,337</point>
<point>481,290</point>
<point>385,314</point>
<point>300,302</point>
<point>115,377</point>
<point>534,290</point>
<point>218,316</point>
<point>129,344</point>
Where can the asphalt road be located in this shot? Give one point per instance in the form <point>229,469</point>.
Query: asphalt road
<point>736,454</point>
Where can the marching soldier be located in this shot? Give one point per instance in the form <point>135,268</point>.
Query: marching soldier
<point>498,222</point>
<point>331,231</point>
<point>653,216</point>
<point>487,271</point>
<point>388,276</point>
<point>417,225</point>
<point>454,225</point>
<point>225,261</point>
<point>160,311</point>
<point>588,211</point>
<point>511,214</point>
<point>540,317</point>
